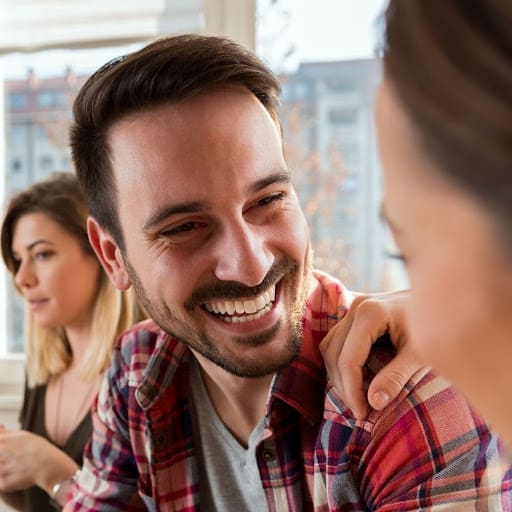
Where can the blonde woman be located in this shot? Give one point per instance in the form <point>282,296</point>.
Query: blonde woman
<point>73,315</point>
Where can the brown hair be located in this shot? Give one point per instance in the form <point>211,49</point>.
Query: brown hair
<point>48,351</point>
<point>167,70</point>
<point>450,63</point>
<point>59,198</point>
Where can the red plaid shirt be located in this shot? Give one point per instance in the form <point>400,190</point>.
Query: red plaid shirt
<point>426,451</point>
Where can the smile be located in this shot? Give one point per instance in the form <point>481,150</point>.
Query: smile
<point>239,311</point>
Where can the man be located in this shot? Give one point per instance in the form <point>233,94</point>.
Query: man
<point>221,401</point>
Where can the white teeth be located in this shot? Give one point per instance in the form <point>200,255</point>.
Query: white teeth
<point>250,306</point>
<point>246,318</point>
<point>239,306</point>
<point>251,309</point>
<point>260,303</point>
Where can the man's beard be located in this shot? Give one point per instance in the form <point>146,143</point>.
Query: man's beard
<point>284,271</point>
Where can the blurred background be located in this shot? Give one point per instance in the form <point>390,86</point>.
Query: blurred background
<point>323,51</point>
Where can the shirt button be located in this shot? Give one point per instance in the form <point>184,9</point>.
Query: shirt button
<point>268,456</point>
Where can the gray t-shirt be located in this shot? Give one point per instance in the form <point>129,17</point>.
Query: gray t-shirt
<point>229,475</point>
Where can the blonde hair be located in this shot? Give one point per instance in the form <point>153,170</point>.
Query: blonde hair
<point>47,349</point>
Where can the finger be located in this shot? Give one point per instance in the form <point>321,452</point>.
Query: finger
<point>370,322</point>
<point>353,391</point>
<point>331,347</point>
<point>340,366</point>
<point>389,382</point>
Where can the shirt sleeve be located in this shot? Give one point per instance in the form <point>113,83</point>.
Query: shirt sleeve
<point>429,450</point>
<point>109,477</point>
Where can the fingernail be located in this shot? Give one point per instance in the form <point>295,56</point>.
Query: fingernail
<point>380,400</point>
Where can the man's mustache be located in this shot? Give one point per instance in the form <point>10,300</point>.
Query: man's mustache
<point>235,290</point>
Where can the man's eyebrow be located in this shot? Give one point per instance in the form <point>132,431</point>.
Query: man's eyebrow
<point>198,206</point>
<point>175,209</point>
<point>278,177</point>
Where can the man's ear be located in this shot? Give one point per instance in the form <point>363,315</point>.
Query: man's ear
<point>109,254</point>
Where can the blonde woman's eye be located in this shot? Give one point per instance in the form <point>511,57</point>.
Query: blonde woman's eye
<point>44,255</point>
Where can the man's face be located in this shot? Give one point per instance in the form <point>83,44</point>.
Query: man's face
<point>216,244</point>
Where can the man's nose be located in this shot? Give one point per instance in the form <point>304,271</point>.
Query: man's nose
<point>243,254</point>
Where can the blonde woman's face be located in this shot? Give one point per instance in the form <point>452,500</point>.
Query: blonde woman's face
<point>461,284</point>
<point>56,278</point>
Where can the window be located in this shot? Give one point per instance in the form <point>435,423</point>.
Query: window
<point>51,99</point>
<point>18,101</point>
<point>341,116</point>
<point>324,53</point>
<point>46,163</point>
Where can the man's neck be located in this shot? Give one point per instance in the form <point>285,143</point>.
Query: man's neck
<point>239,401</point>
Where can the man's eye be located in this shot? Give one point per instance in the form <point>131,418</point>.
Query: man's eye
<point>184,228</point>
<point>271,198</point>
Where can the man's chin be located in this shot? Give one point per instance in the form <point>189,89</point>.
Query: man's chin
<point>255,369</point>
<point>252,356</point>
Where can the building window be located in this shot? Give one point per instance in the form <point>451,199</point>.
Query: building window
<point>340,86</point>
<point>341,116</point>
<point>46,163</point>
<point>51,99</point>
<point>16,165</point>
<point>18,101</point>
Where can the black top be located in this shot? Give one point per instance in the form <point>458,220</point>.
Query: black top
<point>32,418</point>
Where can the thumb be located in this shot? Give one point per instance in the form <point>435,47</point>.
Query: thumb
<point>390,380</point>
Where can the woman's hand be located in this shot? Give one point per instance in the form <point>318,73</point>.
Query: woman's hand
<point>27,459</point>
<point>346,348</point>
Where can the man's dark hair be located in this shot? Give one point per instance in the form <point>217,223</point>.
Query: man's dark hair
<point>167,70</point>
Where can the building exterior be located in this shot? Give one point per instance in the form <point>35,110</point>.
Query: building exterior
<point>331,149</point>
<point>39,113</point>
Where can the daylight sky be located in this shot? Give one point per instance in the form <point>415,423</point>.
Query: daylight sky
<point>314,30</point>
<point>333,29</point>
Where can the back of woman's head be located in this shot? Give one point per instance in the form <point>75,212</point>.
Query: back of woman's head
<point>450,64</point>
<point>48,350</point>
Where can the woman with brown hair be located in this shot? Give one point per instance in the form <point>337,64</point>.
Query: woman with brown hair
<point>73,315</point>
<point>444,119</point>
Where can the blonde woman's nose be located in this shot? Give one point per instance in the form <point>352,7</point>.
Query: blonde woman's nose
<point>25,277</point>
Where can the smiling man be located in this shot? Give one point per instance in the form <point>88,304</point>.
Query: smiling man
<point>221,401</point>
